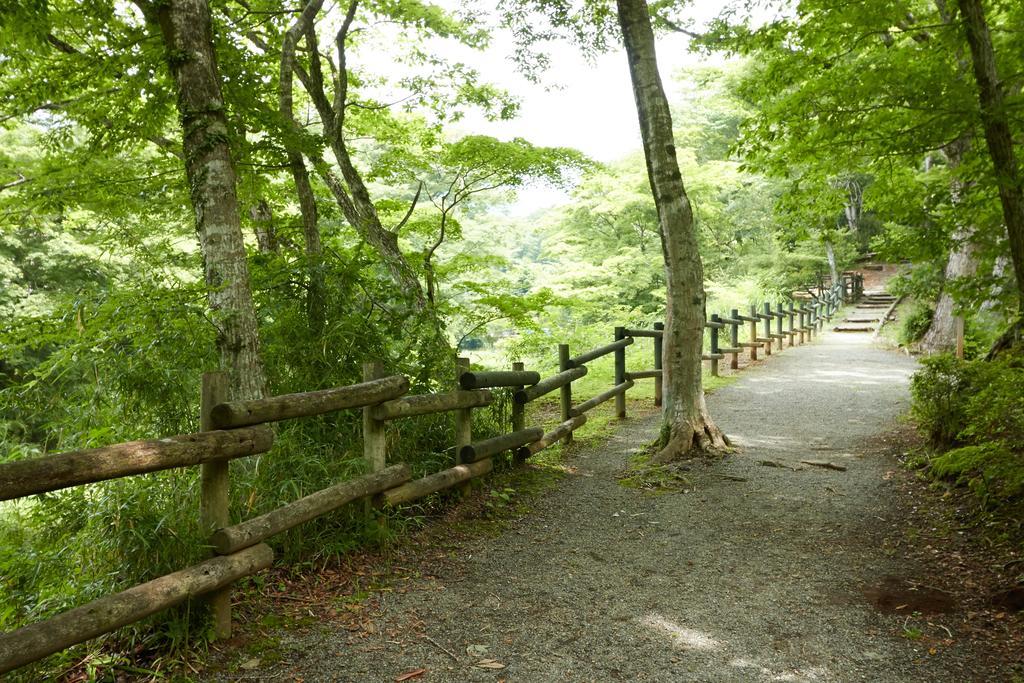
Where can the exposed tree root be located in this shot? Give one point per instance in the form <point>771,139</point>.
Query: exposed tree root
<point>703,438</point>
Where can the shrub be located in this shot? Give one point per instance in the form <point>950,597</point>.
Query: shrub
<point>976,407</point>
<point>940,390</point>
<point>916,324</point>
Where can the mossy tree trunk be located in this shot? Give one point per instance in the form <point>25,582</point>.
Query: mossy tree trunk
<point>187,34</point>
<point>687,426</point>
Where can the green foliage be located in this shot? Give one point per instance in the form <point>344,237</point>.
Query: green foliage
<point>941,390</point>
<point>915,324</point>
<point>991,470</point>
<point>975,407</point>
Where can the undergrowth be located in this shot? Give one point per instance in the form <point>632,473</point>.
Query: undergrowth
<point>972,413</point>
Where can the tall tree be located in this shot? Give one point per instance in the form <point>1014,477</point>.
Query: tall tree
<point>999,138</point>
<point>186,29</point>
<point>686,425</point>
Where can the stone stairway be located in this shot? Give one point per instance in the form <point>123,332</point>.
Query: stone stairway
<point>867,314</point>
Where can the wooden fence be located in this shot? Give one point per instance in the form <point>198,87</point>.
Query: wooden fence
<point>238,429</point>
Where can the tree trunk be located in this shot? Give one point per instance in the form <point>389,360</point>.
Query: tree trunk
<point>833,269</point>
<point>316,292</point>
<point>263,227</point>
<point>962,262</point>
<point>998,134</point>
<point>941,335</point>
<point>686,424</point>
<point>187,34</point>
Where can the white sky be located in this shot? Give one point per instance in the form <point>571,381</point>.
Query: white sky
<point>579,104</point>
<point>588,106</point>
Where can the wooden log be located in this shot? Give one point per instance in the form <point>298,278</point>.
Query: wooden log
<point>252,531</point>
<point>275,408</point>
<point>730,349</point>
<point>52,472</point>
<point>374,437</point>
<point>734,339</point>
<point>712,356</point>
<point>659,381</point>
<point>518,410</point>
<point>655,333</point>
<point>463,422</point>
<point>499,444</point>
<point>714,324</point>
<point>644,374</point>
<point>548,385</point>
<point>565,391</point>
<point>617,390</point>
<point>498,378</point>
<point>425,404</point>
<point>600,351</point>
<point>620,375</point>
<point>438,481</point>
<point>559,432</point>
<point>751,345</point>
<point>215,495</point>
<point>33,642</point>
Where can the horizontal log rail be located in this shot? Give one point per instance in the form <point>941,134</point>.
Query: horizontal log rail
<point>439,481</point>
<point>717,325</point>
<point>53,472</point>
<point>276,408</point>
<point>645,374</point>
<point>653,334</point>
<point>38,640</point>
<point>546,386</point>
<point>425,404</point>
<point>594,354</point>
<point>555,435</point>
<point>250,532</point>
<point>485,380</point>
<point>712,356</point>
<point>601,398</point>
<point>499,444</point>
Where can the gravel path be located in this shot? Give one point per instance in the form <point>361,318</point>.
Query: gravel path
<point>772,578</point>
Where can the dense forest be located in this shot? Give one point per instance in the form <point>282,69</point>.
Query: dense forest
<point>285,191</point>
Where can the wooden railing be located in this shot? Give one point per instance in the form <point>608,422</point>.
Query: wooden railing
<point>237,429</point>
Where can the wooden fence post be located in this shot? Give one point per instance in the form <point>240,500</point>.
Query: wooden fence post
<point>374,437</point>
<point>734,340</point>
<point>780,313</point>
<point>791,332</point>
<point>659,381</point>
<point>753,332</point>
<point>463,423</point>
<point>800,323</point>
<point>214,496</point>
<point>565,394</point>
<point>767,328</point>
<point>374,442</point>
<point>620,374</point>
<point>518,409</point>
<point>715,318</point>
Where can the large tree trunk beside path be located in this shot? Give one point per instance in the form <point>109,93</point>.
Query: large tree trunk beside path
<point>999,138</point>
<point>187,34</point>
<point>686,425</point>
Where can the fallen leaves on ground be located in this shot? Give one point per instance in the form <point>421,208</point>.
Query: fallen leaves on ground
<point>408,675</point>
